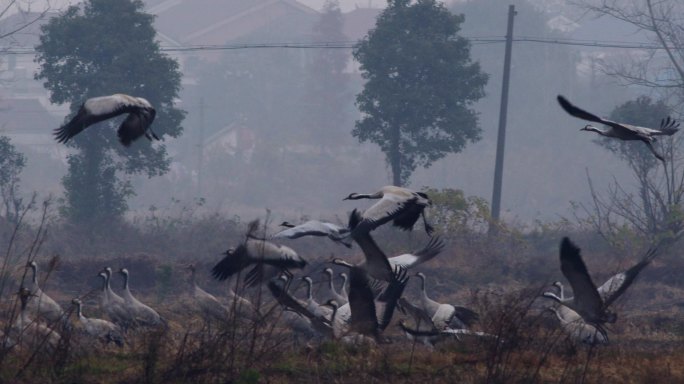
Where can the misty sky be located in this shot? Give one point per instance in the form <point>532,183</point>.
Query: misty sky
<point>345,5</point>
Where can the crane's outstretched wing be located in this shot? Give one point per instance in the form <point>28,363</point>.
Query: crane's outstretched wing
<point>618,283</point>
<point>587,300</point>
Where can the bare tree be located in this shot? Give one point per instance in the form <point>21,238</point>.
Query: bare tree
<point>654,208</point>
<point>660,67</point>
<point>9,6</point>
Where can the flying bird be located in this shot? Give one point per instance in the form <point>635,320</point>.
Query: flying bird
<point>335,232</point>
<point>401,206</point>
<point>590,302</point>
<point>574,325</point>
<point>260,253</point>
<point>622,131</point>
<point>140,116</point>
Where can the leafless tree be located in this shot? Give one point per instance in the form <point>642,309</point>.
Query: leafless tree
<point>660,67</point>
<point>9,6</point>
<point>654,208</point>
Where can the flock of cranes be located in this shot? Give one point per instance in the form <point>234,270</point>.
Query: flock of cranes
<point>372,291</point>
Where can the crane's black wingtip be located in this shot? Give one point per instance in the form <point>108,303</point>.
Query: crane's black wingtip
<point>564,103</point>
<point>61,135</point>
<point>568,246</point>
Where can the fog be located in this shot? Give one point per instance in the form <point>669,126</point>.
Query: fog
<point>251,143</point>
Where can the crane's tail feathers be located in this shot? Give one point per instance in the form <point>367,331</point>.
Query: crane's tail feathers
<point>466,316</point>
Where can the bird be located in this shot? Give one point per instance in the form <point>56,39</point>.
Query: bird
<point>445,315</point>
<point>332,292</point>
<point>258,252</point>
<point>400,205</point>
<point>573,324</point>
<point>28,332</point>
<point>39,303</point>
<point>425,329</point>
<point>143,315</point>
<point>588,301</point>
<point>140,112</point>
<point>318,324</point>
<point>311,304</point>
<point>210,307</point>
<point>365,306</point>
<point>334,232</point>
<point>241,305</point>
<point>112,304</point>
<point>622,131</point>
<point>376,263</point>
<point>100,329</point>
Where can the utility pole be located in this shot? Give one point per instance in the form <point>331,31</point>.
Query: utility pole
<point>200,147</point>
<point>501,138</point>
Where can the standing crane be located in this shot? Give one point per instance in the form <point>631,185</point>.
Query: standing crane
<point>99,329</point>
<point>143,315</point>
<point>39,303</point>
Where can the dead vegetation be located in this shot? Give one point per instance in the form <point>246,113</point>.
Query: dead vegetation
<point>501,277</point>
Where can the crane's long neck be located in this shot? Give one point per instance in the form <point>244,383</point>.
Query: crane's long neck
<point>104,284</point>
<point>34,270</point>
<point>553,296</point>
<point>78,311</point>
<point>344,285</point>
<point>330,283</point>
<point>125,286</point>
<point>108,288</point>
<point>375,195</point>
<point>334,313</point>
<point>309,294</point>
<point>422,287</point>
<point>600,131</point>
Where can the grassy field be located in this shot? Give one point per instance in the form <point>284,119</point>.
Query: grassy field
<point>500,277</point>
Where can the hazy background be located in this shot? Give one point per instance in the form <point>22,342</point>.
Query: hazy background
<point>248,143</point>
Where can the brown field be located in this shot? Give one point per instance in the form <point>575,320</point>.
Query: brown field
<point>500,277</point>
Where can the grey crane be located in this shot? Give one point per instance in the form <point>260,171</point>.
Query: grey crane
<point>39,303</point>
<point>112,304</point>
<point>622,131</point>
<point>30,333</point>
<point>99,329</point>
<point>241,305</point>
<point>401,206</point>
<point>334,232</point>
<point>143,315</point>
<point>364,306</point>
<point>376,263</point>
<point>574,325</point>
<point>332,292</point>
<point>207,304</point>
<point>311,304</point>
<point>258,252</point>
<point>425,329</point>
<point>318,324</point>
<point>588,301</point>
<point>445,315</point>
<point>94,110</point>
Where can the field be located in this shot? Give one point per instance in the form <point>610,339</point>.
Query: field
<point>500,277</point>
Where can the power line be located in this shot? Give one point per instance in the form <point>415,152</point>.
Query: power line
<point>478,40</point>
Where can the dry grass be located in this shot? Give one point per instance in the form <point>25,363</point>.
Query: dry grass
<point>499,277</point>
